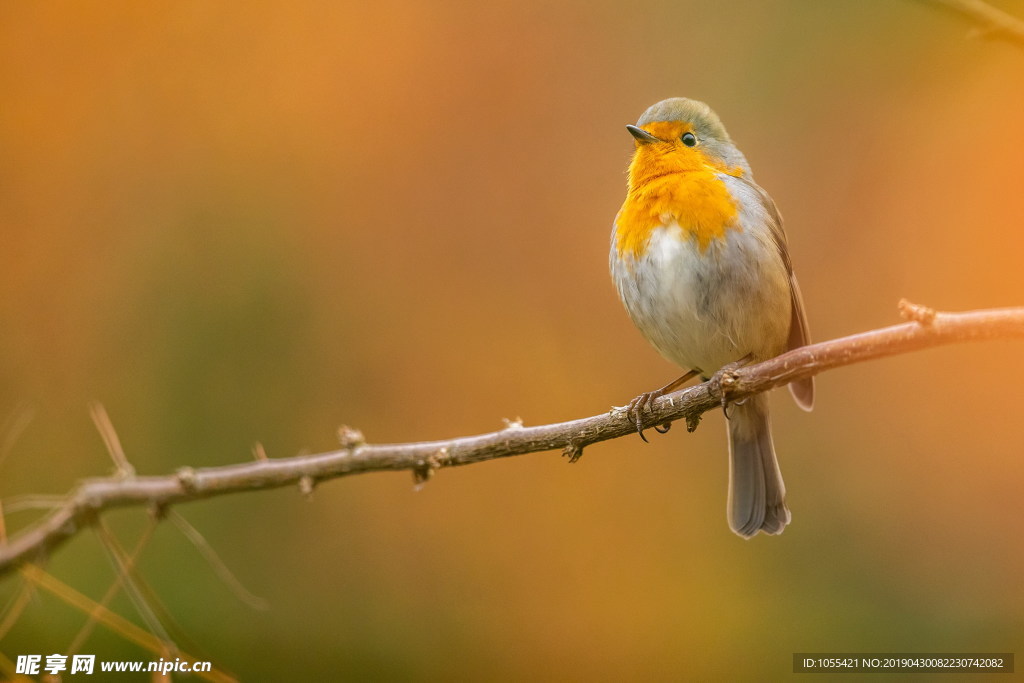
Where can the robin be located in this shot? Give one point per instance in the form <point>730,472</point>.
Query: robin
<point>700,262</point>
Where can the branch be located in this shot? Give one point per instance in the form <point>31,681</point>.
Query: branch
<point>91,497</point>
<point>990,21</point>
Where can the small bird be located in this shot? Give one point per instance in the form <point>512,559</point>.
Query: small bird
<point>699,258</point>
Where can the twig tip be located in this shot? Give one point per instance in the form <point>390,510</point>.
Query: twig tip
<point>258,452</point>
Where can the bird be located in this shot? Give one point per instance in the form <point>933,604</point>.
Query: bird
<point>700,261</point>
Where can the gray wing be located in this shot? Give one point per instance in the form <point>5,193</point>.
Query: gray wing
<point>802,389</point>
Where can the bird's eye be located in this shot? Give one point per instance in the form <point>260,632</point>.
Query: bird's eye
<point>689,139</point>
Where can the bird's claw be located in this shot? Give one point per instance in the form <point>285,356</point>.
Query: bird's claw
<point>635,412</point>
<point>725,380</point>
<point>635,409</point>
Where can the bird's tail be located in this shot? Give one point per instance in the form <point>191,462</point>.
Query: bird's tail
<point>757,496</point>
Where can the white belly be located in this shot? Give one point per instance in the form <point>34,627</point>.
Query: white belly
<point>702,310</point>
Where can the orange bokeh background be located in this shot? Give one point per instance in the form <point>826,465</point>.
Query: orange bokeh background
<point>256,223</point>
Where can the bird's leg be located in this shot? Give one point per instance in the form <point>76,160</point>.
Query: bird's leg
<point>635,409</point>
<point>726,377</point>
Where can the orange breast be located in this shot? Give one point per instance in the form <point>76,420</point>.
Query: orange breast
<point>697,201</point>
<point>668,183</point>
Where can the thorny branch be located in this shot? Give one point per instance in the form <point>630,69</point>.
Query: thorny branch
<point>990,21</point>
<point>91,497</point>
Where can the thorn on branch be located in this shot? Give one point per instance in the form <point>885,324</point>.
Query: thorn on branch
<point>425,469</point>
<point>420,476</point>
<point>188,479</point>
<point>258,452</point>
<point>84,504</point>
<point>105,427</point>
<point>573,451</point>
<point>157,511</point>
<point>306,486</point>
<point>350,438</point>
<point>513,424</point>
<point>911,312</point>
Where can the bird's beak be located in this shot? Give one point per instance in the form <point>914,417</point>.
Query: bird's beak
<point>642,136</point>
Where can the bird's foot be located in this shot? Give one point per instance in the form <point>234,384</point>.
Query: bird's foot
<point>635,409</point>
<point>724,381</point>
<point>635,412</point>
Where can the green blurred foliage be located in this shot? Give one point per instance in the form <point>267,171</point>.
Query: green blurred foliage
<point>255,223</point>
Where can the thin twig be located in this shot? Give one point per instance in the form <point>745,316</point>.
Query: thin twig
<point>94,496</point>
<point>106,429</point>
<point>93,617</point>
<point>33,502</point>
<point>124,567</point>
<point>12,428</point>
<point>126,629</point>
<point>990,22</point>
<point>11,612</point>
<point>219,567</point>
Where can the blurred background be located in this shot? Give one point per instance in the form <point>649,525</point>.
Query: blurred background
<point>233,224</point>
